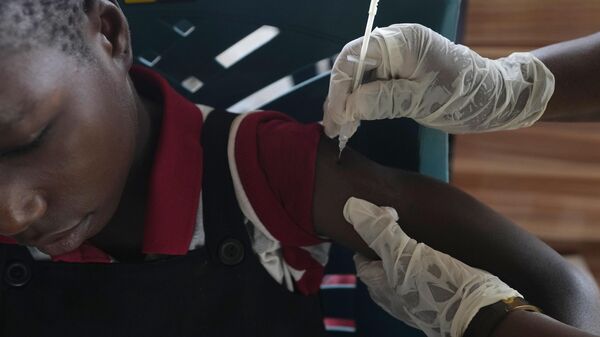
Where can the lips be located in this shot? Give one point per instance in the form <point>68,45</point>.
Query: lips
<point>69,240</point>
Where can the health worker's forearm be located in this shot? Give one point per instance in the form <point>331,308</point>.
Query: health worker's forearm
<point>530,324</point>
<point>576,67</point>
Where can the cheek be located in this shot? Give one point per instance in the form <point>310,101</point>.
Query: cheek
<point>92,162</point>
<point>105,149</point>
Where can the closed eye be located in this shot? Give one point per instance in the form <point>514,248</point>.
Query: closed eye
<point>27,148</point>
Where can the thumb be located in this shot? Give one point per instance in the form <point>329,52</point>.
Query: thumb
<point>331,127</point>
<point>372,274</point>
<point>341,81</point>
<point>377,227</point>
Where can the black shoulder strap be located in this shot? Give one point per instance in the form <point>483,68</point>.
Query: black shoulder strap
<point>224,225</point>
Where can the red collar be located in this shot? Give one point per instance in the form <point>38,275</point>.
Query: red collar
<point>176,178</point>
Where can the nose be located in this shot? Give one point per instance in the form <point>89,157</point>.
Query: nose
<point>17,214</point>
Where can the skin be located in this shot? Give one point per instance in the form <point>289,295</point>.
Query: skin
<point>91,118</point>
<point>529,324</point>
<point>453,222</point>
<point>428,210</point>
<point>575,65</point>
<point>94,158</point>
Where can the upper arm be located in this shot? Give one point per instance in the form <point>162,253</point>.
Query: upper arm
<point>576,67</point>
<point>453,222</point>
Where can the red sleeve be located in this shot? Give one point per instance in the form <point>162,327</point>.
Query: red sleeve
<point>276,158</point>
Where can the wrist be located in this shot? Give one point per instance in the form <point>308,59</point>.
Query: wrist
<point>490,317</point>
<point>532,86</point>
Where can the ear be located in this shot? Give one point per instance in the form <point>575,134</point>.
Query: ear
<point>111,31</point>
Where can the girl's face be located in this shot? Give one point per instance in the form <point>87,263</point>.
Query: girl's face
<point>67,142</point>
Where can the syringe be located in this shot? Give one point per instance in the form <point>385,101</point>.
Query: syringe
<point>347,129</point>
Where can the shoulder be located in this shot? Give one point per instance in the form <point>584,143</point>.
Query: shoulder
<point>272,160</point>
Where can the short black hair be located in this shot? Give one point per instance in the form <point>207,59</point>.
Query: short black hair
<point>30,24</point>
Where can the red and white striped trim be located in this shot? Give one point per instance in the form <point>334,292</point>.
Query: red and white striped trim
<point>340,281</point>
<point>339,324</point>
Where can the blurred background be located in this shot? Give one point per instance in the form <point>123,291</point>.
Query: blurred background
<point>545,178</point>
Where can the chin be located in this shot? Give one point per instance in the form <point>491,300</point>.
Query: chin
<point>69,240</point>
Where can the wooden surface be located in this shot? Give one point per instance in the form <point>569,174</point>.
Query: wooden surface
<point>498,27</point>
<point>546,178</point>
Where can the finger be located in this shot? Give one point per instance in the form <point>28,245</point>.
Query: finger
<point>332,129</point>
<point>386,99</point>
<point>347,61</point>
<point>371,221</point>
<point>335,106</point>
<point>341,82</point>
<point>377,226</point>
<point>392,211</point>
<point>370,272</point>
<point>339,87</point>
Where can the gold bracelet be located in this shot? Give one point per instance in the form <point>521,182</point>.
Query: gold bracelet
<point>488,318</point>
<point>519,303</point>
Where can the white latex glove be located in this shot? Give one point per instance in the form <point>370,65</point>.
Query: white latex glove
<point>421,75</point>
<point>426,289</point>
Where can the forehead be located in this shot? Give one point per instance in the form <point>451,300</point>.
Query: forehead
<point>29,79</point>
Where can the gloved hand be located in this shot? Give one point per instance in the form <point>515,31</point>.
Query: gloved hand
<point>426,289</point>
<point>421,75</point>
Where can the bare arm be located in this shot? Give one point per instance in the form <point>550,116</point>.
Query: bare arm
<point>453,222</point>
<point>576,66</point>
<point>529,324</point>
